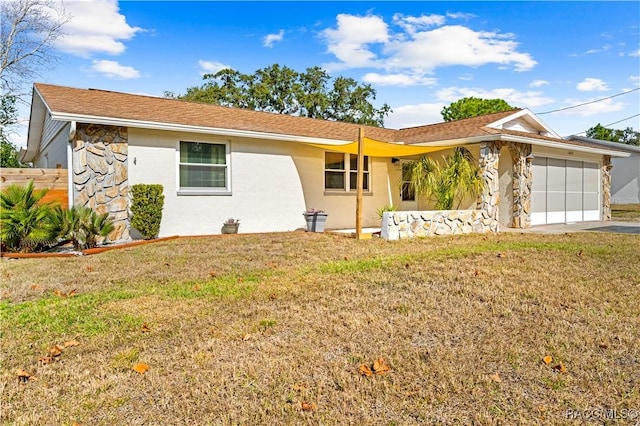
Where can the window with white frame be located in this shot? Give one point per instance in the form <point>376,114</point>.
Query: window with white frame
<point>203,167</point>
<point>341,172</point>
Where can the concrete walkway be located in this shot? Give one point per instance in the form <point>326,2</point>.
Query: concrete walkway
<point>562,228</point>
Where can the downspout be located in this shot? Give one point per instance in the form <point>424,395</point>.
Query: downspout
<point>70,172</point>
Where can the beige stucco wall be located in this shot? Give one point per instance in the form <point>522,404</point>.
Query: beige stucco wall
<point>272,183</point>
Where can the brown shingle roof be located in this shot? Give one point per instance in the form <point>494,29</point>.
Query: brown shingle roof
<point>468,127</point>
<point>102,103</point>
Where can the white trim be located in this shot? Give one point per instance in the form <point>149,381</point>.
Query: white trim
<point>548,130</point>
<point>205,191</point>
<point>196,129</point>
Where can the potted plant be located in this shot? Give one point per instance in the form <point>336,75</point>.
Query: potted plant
<point>230,226</point>
<point>315,220</point>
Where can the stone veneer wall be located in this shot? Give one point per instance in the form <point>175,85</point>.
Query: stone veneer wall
<point>100,173</point>
<point>489,199</point>
<point>606,187</point>
<point>411,224</point>
<point>522,181</point>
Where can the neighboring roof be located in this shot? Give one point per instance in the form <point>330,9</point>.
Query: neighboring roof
<point>124,109</point>
<point>608,144</point>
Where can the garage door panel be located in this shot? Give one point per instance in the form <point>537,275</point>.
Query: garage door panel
<point>574,176</point>
<point>591,177</point>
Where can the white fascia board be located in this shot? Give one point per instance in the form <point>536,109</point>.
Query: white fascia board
<point>565,146</point>
<point>39,109</point>
<point>530,115</point>
<point>195,129</point>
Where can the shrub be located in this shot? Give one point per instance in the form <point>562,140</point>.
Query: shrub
<point>386,208</point>
<point>82,226</point>
<point>25,224</point>
<point>146,209</point>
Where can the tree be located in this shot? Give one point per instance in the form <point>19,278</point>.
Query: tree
<point>627,136</point>
<point>8,151</point>
<point>28,31</point>
<point>445,183</point>
<point>473,107</point>
<point>283,90</point>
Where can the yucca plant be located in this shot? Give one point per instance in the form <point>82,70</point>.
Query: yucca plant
<point>82,226</point>
<point>456,178</point>
<point>25,222</point>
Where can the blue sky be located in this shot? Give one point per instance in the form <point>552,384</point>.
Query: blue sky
<point>419,56</point>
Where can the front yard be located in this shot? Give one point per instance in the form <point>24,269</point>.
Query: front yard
<point>275,329</point>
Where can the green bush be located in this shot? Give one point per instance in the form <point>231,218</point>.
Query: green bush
<point>82,226</point>
<point>26,224</point>
<point>146,209</point>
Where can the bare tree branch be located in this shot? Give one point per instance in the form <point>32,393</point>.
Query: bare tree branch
<point>28,31</point>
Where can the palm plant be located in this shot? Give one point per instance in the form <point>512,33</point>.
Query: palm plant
<point>453,180</point>
<point>25,222</point>
<point>82,226</point>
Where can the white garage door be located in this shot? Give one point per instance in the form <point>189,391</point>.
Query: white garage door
<point>564,191</point>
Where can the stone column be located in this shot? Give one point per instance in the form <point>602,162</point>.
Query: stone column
<point>100,173</point>
<point>522,180</point>
<point>490,197</point>
<point>606,187</point>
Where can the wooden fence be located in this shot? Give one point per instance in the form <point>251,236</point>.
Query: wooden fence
<point>55,180</point>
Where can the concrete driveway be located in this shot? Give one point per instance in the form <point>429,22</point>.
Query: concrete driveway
<point>562,228</point>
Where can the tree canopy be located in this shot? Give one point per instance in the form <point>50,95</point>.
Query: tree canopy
<point>627,136</point>
<point>8,117</point>
<point>282,90</point>
<point>473,107</point>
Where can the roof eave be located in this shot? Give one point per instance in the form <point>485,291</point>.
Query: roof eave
<point>38,112</point>
<point>111,121</point>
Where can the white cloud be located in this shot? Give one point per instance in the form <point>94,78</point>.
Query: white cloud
<point>413,23</point>
<point>460,15</point>
<point>591,85</point>
<point>416,47</point>
<point>414,115</point>
<point>604,106</point>
<point>269,39</point>
<point>113,69</point>
<point>635,53</point>
<point>398,79</point>
<point>211,66</point>
<point>635,79</point>
<point>538,83</point>
<point>513,97</point>
<point>95,27</point>
<point>350,40</point>
<point>466,77</point>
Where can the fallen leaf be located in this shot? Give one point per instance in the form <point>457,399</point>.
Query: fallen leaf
<point>561,368</point>
<point>45,360</point>
<point>603,346</point>
<point>24,375</point>
<point>89,268</point>
<point>55,351</point>
<point>145,328</point>
<point>213,274</point>
<point>547,359</point>
<point>35,287</point>
<point>305,406</point>
<point>246,336</point>
<point>140,367</point>
<point>59,293</point>
<point>501,255</point>
<point>580,253</point>
<point>495,378</point>
<point>380,366</point>
<point>72,293</point>
<point>364,370</point>
<point>70,343</point>
<point>476,273</point>
<point>196,288</point>
<point>407,266</point>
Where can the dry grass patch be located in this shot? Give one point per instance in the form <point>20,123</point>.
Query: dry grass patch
<point>278,333</point>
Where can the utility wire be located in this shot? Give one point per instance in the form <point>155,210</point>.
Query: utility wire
<point>611,124</point>
<point>587,103</point>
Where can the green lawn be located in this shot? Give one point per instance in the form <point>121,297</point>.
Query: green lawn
<point>274,328</point>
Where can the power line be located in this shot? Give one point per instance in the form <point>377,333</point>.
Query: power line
<point>587,103</point>
<point>611,124</point>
